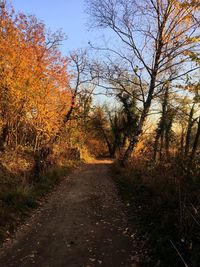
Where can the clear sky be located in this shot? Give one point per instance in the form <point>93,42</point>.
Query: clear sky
<point>69,15</point>
<point>66,14</point>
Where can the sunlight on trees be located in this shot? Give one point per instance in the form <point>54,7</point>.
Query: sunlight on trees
<point>149,69</point>
<point>168,30</point>
<point>34,82</point>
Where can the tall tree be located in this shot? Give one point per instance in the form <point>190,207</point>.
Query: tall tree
<point>156,37</point>
<point>35,94</point>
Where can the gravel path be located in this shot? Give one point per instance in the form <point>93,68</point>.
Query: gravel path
<point>82,224</point>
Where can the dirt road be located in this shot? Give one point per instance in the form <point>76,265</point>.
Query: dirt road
<point>82,224</point>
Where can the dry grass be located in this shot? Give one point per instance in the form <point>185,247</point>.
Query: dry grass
<point>17,195</point>
<point>169,201</point>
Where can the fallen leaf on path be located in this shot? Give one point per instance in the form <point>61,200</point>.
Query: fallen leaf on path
<point>92,259</point>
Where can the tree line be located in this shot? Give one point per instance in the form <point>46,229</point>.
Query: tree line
<point>154,68</point>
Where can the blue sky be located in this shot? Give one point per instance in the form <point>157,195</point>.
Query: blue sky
<point>66,14</point>
<point>69,15</point>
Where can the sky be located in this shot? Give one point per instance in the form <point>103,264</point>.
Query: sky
<point>69,15</point>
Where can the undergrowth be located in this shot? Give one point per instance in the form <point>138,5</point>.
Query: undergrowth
<point>18,197</point>
<point>164,205</point>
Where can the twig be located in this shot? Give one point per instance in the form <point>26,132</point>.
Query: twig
<point>179,254</point>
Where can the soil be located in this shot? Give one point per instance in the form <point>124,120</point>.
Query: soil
<point>82,223</point>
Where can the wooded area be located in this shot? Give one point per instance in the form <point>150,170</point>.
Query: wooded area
<point>150,125</point>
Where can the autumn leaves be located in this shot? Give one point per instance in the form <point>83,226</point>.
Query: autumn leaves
<point>34,95</point>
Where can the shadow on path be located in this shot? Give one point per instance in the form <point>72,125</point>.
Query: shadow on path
<point>82,224</point>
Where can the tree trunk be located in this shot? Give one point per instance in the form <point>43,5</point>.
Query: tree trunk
<point>182,142</point>
<point>136,135</point>
<point>111,149</point>
<point>196,142</point>
<point>147,103</point>
<point>189,130</point>
<point>3,137</point>
<point>156,145</point>
<point>139,128</point>
<point>161,143</point>
<point>40,161</point>
<point>167,134</point>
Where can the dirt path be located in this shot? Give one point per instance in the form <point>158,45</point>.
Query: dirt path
<point>82,224</point>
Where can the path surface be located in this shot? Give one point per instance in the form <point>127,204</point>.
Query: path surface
<point>82,224</point>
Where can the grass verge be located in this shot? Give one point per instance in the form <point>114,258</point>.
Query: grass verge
<point>18,199</point>
<point>172,236</point>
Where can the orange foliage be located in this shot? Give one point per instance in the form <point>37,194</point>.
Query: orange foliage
<point>34,83</point>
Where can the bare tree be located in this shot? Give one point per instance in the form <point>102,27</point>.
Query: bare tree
<point>158,37</point>
<point>81,78</point>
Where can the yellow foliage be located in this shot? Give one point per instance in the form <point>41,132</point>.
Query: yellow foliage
<point>34,89</point>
